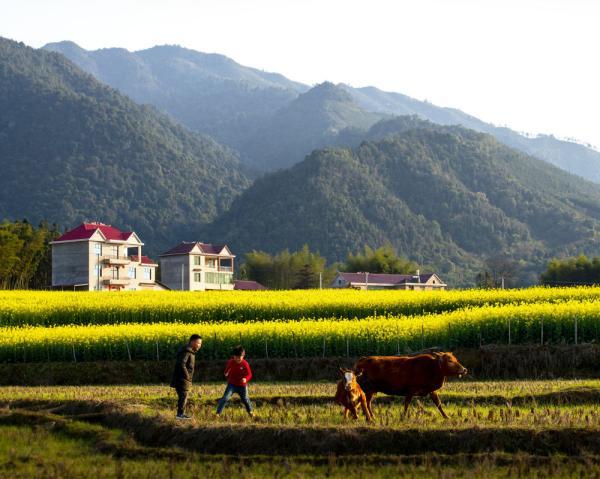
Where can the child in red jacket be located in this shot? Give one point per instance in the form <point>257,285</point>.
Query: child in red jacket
<point>238,374</point>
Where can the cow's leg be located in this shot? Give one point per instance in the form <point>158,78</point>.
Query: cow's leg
<point>407,400</point>
<point>365,408</point>
<point>354,411</point>
<point>345,413</point>
<point>436,400</point>
<point>370,396</point>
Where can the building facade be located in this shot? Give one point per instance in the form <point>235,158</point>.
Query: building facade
<point>196,266</point>
<point>100,257</point>
<point>416,282</point>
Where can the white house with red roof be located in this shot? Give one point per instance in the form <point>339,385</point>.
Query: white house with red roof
<point>416,282</point>
<point>100,257</point>
<point>196,266</point>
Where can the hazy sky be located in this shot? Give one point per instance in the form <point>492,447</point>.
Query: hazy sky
<point>529,64</point>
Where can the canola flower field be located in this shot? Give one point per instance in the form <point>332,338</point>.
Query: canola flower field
<point>58,326</point>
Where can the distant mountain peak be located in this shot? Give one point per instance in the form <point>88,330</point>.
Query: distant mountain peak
<point>326,91</point>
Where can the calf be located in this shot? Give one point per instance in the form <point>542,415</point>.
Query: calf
<point>349,394</point>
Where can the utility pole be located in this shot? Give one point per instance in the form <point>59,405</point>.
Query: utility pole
<point>367,281</point>
<point>181,276</point>
<point>502,281</point>
<point>320,280</point>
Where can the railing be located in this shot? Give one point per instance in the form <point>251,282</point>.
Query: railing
<point>115,260</point>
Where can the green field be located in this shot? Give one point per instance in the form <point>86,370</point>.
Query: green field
<point>496,429</point>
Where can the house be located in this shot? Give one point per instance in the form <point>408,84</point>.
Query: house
<point>246,285</point>
<point>417,282</point>
<point>100,257</point>
<point>196,266</point>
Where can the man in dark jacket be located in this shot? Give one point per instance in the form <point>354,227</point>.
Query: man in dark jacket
<point>184,372</point>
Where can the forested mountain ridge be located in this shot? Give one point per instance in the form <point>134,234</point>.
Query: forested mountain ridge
<point>572,157</point>
<point>237,104</point>
<point>313,120</point>
<point>444,196</point>
<point>72,149</point>
<point>209,93</point>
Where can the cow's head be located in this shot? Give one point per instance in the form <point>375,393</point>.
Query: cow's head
<point>450,366</point>
<point>349,377</point>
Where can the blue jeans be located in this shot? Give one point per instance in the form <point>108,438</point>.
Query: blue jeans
<point>242,392</point>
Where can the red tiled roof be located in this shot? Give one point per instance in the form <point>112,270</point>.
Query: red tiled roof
<point>87,230</point>
<point>247,285</point>
<point>186,247</point>
<point>145,259</point>
<point>380,278</point>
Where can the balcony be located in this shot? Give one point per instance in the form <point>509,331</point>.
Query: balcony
<point>115,282</point>
<point>226,269</point>
<point>115,261</point>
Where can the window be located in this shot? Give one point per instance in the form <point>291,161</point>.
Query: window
<point>147,273</point>
<point>210,262</point>
<point>197,260</point>
<point>131,272</point>
<point>114,272</point>
<point>113,251</point>
<point>98,248</point>
<point>219,278</point>
<point>198,277</point>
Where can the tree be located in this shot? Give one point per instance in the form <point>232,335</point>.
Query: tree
<point>572,271</point>
<point>285,270</point>
<point>25,255</point>
<point>500,271</point>
<point>381,260</point>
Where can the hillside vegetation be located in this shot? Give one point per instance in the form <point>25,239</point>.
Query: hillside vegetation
<point>72,149</point>
<point>442,196</point>
<point>242,106</point>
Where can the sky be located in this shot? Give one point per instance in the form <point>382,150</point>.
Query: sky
<point>532,65</point>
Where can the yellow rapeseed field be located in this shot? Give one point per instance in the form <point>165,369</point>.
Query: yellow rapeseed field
<point>486,317</point>
<point>19,308</point>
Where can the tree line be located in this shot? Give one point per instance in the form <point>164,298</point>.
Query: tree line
<point>26,263</point>
<point>305,269</point>
<point>579,270</point>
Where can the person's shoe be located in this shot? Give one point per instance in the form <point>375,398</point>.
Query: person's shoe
<point>183,417</point>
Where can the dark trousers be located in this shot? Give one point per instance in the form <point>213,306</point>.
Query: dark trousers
<point>242,392</point>
<point>182,397</point>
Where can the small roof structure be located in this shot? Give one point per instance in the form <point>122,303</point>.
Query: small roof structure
<point>197,247</point>
<point>382,278</point>
<point>245,285</point>
<point>389,280</point>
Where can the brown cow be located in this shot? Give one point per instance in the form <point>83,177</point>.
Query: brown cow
<point>349,394</point>
<point>408,376</point>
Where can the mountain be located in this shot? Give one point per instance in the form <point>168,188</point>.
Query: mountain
<point>443,196</point>
<point>569,156</point>
<point>239,105</point>
<point>209,93</point>
<point>72,149</point>
<point>313,120</point>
